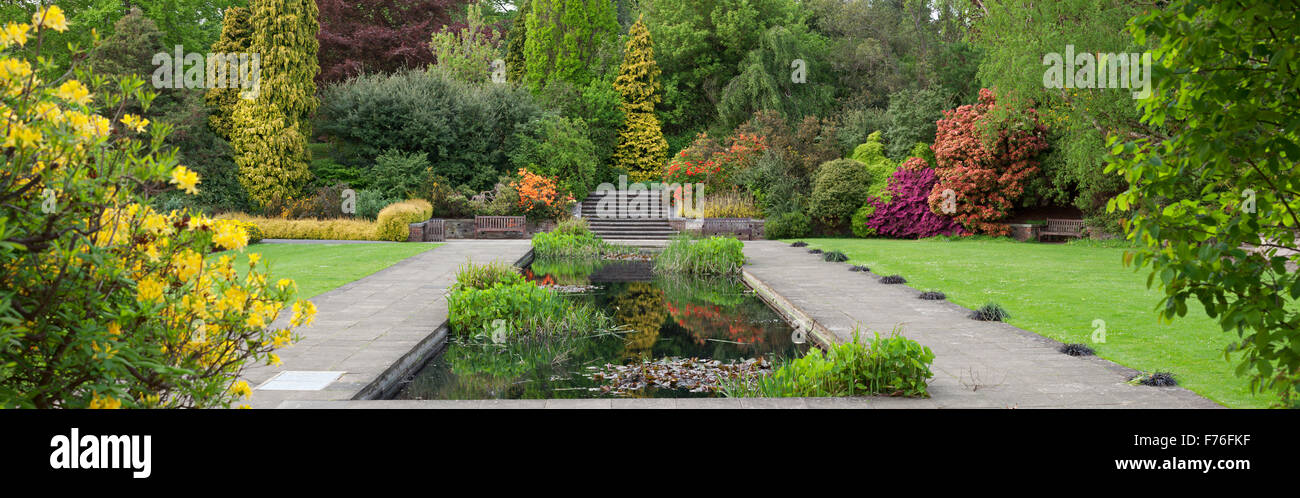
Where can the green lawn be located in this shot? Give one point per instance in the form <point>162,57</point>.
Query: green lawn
<point>1058,291</point>
<point>319,268</point>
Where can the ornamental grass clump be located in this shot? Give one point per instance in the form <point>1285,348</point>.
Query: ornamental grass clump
<point>1077,350</point>
<point>893,280</point>
<point>799,243</point>
<point>573,243</point>
<point>1157,379</point>
<point>859,268</point>
<point>991,312</point>
<point>836,257</point>
<point>933,296</point>
<point>711,256</point>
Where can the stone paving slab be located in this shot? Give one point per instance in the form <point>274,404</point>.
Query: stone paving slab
<point>365,327</point>
<point>977,364</point>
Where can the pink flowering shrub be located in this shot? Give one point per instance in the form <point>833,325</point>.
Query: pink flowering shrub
<point>907,215</point>
<point>986,173</point>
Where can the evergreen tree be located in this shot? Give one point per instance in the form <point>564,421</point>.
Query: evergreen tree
<point>515,62</point>
<point>271,131</point>
<point>564,38</point>
<point>642,149</point>
<point>236,37</point>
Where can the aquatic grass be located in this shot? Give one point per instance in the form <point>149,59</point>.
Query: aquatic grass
<point>711,256</point>
<point>890,366</point>
<point>472,276</point>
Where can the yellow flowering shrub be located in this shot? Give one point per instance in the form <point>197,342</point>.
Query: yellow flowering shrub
<point>105,302</point>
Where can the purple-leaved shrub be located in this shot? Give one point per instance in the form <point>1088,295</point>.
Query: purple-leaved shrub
<point>907,215</point>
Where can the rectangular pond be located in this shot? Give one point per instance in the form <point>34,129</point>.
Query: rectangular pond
<point>677,335</point>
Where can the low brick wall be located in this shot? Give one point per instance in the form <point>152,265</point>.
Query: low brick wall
<point>464,229</point>
<point>695,226</point>
<point>1024,232</point>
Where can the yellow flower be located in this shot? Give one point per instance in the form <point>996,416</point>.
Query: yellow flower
<point>149,289</point>
<point>51,17</point>
<point>231,236</point>
<point>114,328</point>
<point>14,33</point>
<point>134,122</point>
<point>254,258</point>
<point>188,263</point>
<point>185,179</point>
<point>240,388</point>
<point>73,91</point>
<point>21,135</point>
<point>104,403</point>
<point>274,360</point>
<point>303,313</point>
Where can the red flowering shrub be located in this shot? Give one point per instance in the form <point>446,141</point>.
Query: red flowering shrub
<point>907,215</point>
<point>707,162</point>
<point>986,173</point>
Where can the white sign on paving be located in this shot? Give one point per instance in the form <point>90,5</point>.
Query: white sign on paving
<point>298,380</point>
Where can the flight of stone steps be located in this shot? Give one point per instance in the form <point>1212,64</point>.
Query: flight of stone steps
<point>626,217</point>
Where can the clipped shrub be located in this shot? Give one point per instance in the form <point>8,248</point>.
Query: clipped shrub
<point>711,256</point>
<point>893,279</point>
<point>787,226</point>
<point>836,257</point>
<point>393,222</point>
<point>309,229</point>
<point>907,215</point>
<point>991,312</point>
<point>1077,350</point>
<point>860,221</point>
<point>840,187</point>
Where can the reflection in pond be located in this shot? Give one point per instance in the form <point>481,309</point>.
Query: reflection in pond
<point>661,317</point>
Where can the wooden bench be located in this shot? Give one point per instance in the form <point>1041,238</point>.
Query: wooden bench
<point>1062,228</point>
<point>504,224</point>
<point>728,226</point>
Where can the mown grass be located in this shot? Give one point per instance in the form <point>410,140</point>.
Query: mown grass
<point>1058,291</point>
<point>319,268</point>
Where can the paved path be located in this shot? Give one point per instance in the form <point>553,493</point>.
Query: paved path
<point>366,326</point>
<point>977,364</point>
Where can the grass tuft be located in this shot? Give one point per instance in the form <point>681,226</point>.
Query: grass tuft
<point>836,257</point>
<point>893,279</point>
<point>933,296</point>
<point>991,312</point>
<point>1077,350</point>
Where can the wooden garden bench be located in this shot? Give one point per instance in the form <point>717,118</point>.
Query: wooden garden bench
<point>1062,228</point>
<point>486,224</point>
<point>728,226</point>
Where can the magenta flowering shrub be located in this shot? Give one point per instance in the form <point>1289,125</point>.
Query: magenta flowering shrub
<point>907,215</point>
